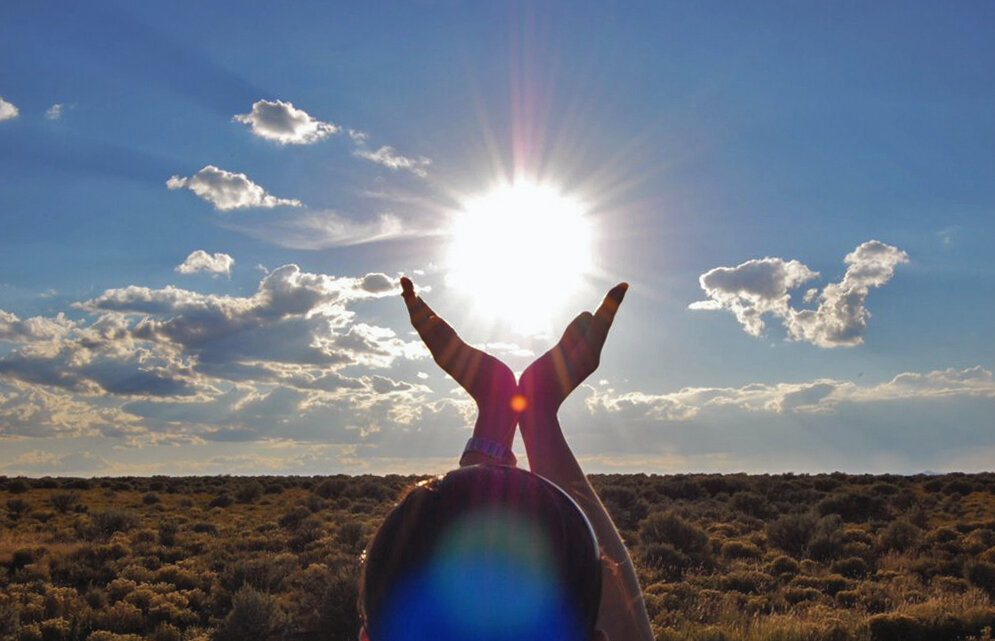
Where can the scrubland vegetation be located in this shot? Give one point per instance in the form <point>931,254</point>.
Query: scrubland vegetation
<point>721,557</point>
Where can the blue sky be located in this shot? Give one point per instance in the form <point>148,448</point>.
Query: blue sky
<point>204,211</point>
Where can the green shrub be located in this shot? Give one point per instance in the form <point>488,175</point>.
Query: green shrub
<point>105,523</point>
<point>291,519</point>
<point>895,627</point>
<point>826,542</point>
<point>17,508</point>
<point>900,536</point>
<point>166,632</point>
<point>64,501</point>
<point>338,618</point>
<point>204,527</point>
<point>332,488</point>
<point>747,581</point>
<point>249,491</point>
<point>221,500</point>
<point>668,527</point>
<point>17,486</point>
<point>853,506</point>
<point>853,567</point>
<point>791,532</point>
<point>796,595</point>
<point>740,550</point>
<point>627,509</point>
<point>982,575</point>
<point>254,616</point>
<point>783,565</point>
<point>167,532</point>
<point>751,503</point>
<point>352,535</point>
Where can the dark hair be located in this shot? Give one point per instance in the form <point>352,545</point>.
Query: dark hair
<point>486,552</point>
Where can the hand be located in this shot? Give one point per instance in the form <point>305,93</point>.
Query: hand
<point>490,382</point>
<point>547,382</point>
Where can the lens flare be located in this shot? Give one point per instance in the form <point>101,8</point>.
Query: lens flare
<point>490,580</point>
<point>519,403</point>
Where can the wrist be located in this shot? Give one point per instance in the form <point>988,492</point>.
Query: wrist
<point>485,451</point>
<point>539,412</point>
<point>496,424</point>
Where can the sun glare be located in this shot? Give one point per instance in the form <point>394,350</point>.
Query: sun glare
<point>519,251</point>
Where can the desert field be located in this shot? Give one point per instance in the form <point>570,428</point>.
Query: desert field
<point>721,557</point>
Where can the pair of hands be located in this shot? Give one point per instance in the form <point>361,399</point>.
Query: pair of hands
<point>544,384</point>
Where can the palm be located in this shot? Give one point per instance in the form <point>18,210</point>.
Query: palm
<point>489,382</point>
<point>548,381</point>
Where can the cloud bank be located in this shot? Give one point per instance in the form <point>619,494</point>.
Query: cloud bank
<point>200,261</point>
<point>761,287</point>
<point>176,365</point>
<point>281,122</point>
<point>228,190</point>
<point>819,396</point>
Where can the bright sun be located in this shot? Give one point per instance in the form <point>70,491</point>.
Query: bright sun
<point>519,251</point>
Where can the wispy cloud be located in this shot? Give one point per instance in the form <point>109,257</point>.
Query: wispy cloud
<point>54,112</point>
<point>200,261</point>
<point>389,158</point>
<point>7,110</point>
<point>281,122</point>
<point>323,229</point>
<point>228,190</point>
<point>761,286</point>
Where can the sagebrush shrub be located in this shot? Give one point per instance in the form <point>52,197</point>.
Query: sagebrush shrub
<point>791,532</point>
<point>900,536</point>
<point>254,616</point>
<point>64,501</point>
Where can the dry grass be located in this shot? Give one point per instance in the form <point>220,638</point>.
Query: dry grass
<point>173,567</point>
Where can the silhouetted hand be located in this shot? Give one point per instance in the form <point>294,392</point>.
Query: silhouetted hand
<point>548,381</point>
<point>490,382</point>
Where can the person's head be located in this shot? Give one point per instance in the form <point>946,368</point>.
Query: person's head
<point>489,553</point>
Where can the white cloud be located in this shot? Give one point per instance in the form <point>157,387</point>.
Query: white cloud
<point>388,157</point>
<point>752,289</point>
<point>282,122</point>
<point>200,261</point>
<point>294,318</point>
<point>7,110</point>
<point>34,410</point>
<point>761,286</point>
<point>228,190</point>
<point>175,365</point>
<point>841,317</point>
<point>33,330</point>
<point>377,283</point>
<point>54,112</point>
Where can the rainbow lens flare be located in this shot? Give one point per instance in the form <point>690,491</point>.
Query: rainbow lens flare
<point>488,579</point>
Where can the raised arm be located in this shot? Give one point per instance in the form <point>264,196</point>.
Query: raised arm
<point>545,384</point>
<point>488,381</point>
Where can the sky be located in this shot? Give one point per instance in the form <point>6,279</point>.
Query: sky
<point>205,209</point>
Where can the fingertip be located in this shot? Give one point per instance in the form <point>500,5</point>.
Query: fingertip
<point>617,293</point>
<point>407,287</point>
